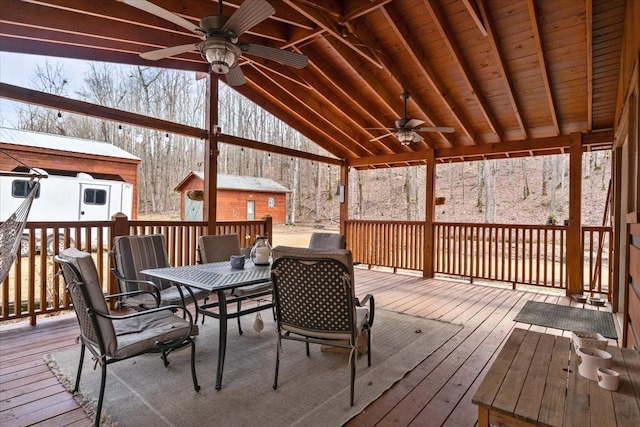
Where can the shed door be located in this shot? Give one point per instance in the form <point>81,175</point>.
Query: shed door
<point>251,210</point>
<point>192,209</point>
<point>94,202</point>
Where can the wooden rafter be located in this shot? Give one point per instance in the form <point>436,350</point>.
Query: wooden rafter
<point>339,136</point>
<point>331,27</point>
<point>500,63</point>
<point>345,91</point>
<point>472,8</point>
<point>449,39</point>
<point>391,101</point>
<point>421,63</point>
<point>544,71</point>
<point>356,9</point>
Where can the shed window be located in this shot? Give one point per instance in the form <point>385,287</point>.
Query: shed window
<point>93,196</point>
<point>271,202</point>
<point>20,189</point>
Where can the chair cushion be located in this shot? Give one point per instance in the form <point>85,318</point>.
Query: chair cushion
<point>217,248</point>
<point>249,290</point>
<point>89,274</point>
<point>362,315</point>
<point>140,333</point>
<point>328,241</point>
<point>136,253</point>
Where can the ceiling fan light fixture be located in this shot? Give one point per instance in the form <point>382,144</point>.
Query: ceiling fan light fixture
<point>405,136</point>
<point>221,54</point>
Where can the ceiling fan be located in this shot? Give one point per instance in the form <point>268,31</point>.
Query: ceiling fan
<point>219,45</point>
<point>406,128</point>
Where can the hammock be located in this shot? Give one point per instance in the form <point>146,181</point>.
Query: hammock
<point>11,232</point>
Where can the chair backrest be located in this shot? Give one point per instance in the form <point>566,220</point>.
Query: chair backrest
<point>313,293</point>
<point>81,277</point>
<point>328,241</point>
<point>342,255</point>
<point>219,247</point>
<point>132,254</point>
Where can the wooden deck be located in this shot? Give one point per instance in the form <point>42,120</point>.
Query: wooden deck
<point>436,393</point>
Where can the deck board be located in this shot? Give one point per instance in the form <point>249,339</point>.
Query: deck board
<point>437,392</point>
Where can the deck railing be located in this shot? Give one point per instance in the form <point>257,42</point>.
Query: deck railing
<point>518,254</point>
<point>33,288</point>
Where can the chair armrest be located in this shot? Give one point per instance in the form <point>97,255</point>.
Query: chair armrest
<point>153,286</point>
<point>172,308</point>
<point>131,293</point>
<point>368,299</point>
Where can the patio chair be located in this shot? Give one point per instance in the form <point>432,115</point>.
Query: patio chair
<point>315,302</point>
<point>220,247</point>
<point>328,241</point>
<point>111,338</point>
<point>132,254</point>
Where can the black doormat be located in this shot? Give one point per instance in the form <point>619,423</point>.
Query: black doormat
<point>567,318</point>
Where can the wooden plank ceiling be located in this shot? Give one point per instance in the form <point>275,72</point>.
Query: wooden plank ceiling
<point>506,75</point>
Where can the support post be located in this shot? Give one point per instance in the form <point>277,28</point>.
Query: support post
<point>428,270</point>
<point>575,257</point>
<point>211,157</point>
<point>344,203</point>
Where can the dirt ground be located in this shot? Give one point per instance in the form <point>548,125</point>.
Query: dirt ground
<point>296,235</point>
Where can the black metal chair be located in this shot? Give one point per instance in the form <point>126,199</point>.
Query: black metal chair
<point>132,254</point>
<point>112,338</point>
<point>220,247</point>
<point>315,302</point>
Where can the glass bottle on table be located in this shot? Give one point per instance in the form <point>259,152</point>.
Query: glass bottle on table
<point>261,251</point>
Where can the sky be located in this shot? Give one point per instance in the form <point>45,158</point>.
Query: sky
<point>19,69</point>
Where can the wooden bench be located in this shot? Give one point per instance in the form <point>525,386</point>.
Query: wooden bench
<point>534,381</point>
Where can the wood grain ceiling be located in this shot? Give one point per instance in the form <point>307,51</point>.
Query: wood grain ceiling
<point>512,77</point>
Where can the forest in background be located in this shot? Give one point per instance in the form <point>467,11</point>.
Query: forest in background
<point>528,190</point>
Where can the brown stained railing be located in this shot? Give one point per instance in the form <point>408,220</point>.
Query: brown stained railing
<point>33,288</point>
<point>531,255</point>
<point>518,254</point>
<point>398,245</point>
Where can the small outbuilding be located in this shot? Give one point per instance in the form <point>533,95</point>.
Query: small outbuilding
<point>239,198</point>
<point>62,155</point>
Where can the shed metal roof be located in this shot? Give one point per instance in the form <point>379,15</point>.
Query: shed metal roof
<point>27,138</point>
<point>236,182</point>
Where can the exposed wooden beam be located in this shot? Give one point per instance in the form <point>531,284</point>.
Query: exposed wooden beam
<point>60,103</point>
<point>472,8</point>
<point>359,100</point>
<point>331,27</point>
<point>356,9</point>
<point>501,64</point>
<point>544,70</point>
<point>422,63</point>
<point>293,99</point>
<point>589,37</point>
<point>276,149</point>
<point>387,98</point>
<point>528,147</point>
<point>449,39</point>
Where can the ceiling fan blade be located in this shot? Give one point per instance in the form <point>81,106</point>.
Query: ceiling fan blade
<point>235,76</point>
<point>417,138</point>
<point>162,13</point>
<point>379,128</point>
<point>413,123</point>
<point>381,136</point>
<point>154,55</point>
<point>441,129</point>
<point>249,14</point>
<point>292,59</point>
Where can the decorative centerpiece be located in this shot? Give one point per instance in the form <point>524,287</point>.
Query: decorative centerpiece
<point>261,251</point>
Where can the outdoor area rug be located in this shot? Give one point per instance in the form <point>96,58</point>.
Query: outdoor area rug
<point>567,318</point>
<point>312,391</point>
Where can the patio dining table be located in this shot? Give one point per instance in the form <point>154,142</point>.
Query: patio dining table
<point>217,277</point>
